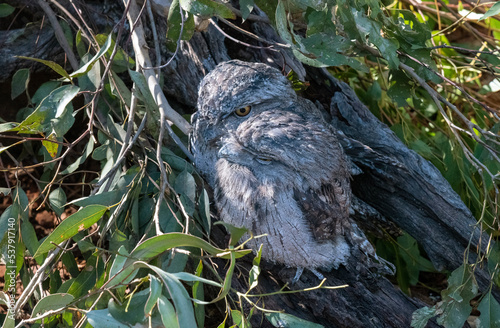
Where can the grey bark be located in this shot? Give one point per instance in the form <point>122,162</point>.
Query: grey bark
<point>400,186</point>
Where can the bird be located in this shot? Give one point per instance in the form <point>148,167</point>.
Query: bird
<point>277,169</point>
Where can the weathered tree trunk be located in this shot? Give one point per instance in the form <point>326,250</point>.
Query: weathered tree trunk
<point>399,185</point>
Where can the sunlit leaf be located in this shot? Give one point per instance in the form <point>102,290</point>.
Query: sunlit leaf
<point>51,107</point>
<point>494,10</point>
<point>174,23</point>
<point>207,8</point>
<point>79,221</point>
<point>55,66</point>
<point>85,68</point>
<point>288,320</point>
<point>50,146</point>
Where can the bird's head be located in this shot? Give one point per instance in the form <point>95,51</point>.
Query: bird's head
<point>236,90</point>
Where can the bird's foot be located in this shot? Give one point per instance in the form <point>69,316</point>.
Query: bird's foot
<point>299,272</point>
<point>297,275</point>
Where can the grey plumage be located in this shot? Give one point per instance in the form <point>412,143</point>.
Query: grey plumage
<point>278,170</point>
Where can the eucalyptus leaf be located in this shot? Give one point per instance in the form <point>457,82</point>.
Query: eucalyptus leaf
<point>246,7</point>
<point>103,319</point>
<point>88,66</point>
<point>490,312</point>
<point>81,220</point>
<point>207,8</point>
<point>155,291</point>
<point>288,320</point>
<point>55,66</point>
<point>19,82</point>
<point>52,106</point>
<point>167,312</point>
<point>6,9</point>
<point>494,10</point>
<point>52,303</point>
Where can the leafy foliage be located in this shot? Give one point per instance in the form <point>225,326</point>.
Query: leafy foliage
<point>142,238</point>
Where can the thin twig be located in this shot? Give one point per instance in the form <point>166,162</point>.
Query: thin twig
<point>155,37</point>
<point>140,46</point>
<point>75,21</point>
<point>59,33</point>
<point>239,41</point>
<point>37,278</point>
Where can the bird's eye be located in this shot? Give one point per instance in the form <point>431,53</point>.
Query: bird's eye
<point>244,111</point>
<point>264,160</point>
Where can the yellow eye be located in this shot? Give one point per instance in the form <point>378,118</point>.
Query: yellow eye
<point>244,111</point>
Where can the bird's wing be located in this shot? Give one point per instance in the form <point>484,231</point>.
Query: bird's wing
<point>326,209</point>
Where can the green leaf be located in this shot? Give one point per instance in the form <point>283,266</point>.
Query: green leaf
<point>255,271</point>
<point>29,238</point>
<point>155,289</point>
<point>207,8</point>
<point>290,321</point>
<point>319,22</point>
<point>490,311</point>
<point>108,198</point>
<point>81,220</point>
<point>238,318</point>
<point>455,307</point>
<point>142,85</point>
<point>154,246</point>
<point>180,297</point>
<point>120,89</point>
<point>88,66</point>
<point>387,47</point>
<point>19,82</point>
<point>51,147</point>
<point>51,107</point>
<point>185,185</point>
<point>55,66</point>
<point>57,200</point>
<point>246,7</point>
<point>186,276</point>
<point>235,232</point>
<point>167,313</point>
<point>103,319</point>
<point>199,294</point>
<point>44,90</point>
<point>69,262</point>
<point>494,10</point>
<point>6,10</point>
<point>132,310</point>
<point>420,317</point>
<point>400,89</point>
<point>174,24</point>
<point>127,274</point>
<point>204,210</point>
<point>88,151</point>
<point>86,280</point>
<point>52,303</point>
<point>9,322</point>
